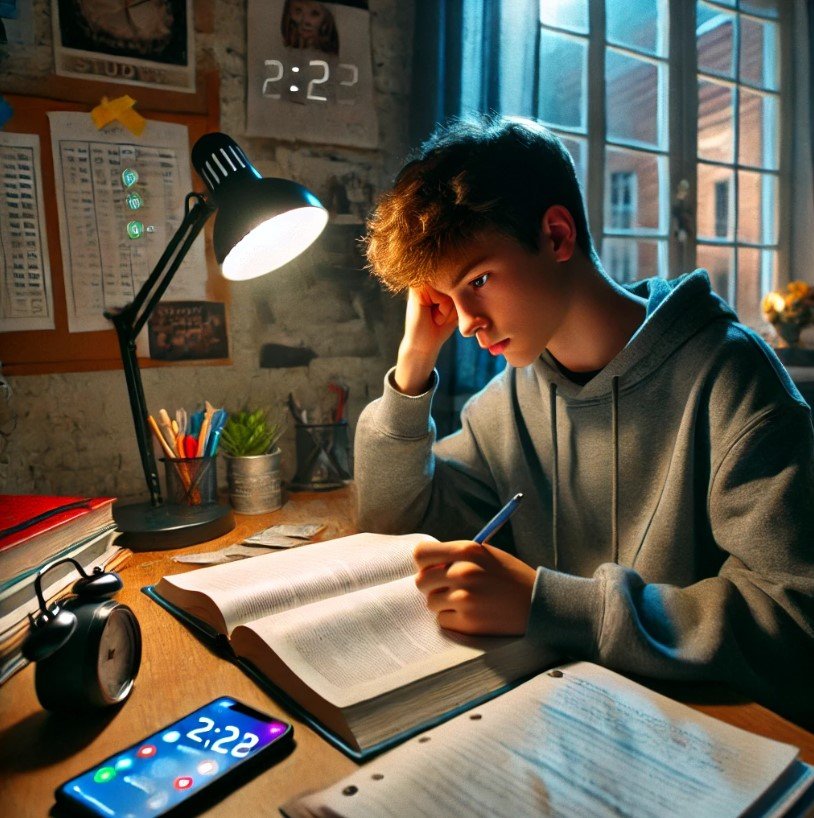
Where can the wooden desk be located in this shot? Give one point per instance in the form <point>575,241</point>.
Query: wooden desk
<point>38,751</point>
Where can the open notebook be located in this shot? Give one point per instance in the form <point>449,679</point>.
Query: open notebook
<point>580,740</point>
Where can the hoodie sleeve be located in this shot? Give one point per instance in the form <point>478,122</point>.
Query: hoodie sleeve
<point>752,625</point>
<point>406,482</point>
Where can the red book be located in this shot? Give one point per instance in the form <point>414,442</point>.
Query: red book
<point>35,529</point>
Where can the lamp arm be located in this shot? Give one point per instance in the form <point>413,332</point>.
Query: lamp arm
<point>129,321</point>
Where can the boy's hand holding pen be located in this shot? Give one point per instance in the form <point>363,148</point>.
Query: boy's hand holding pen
<point>473,587</point>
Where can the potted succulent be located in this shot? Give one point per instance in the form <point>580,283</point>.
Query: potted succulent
<point>249,442</point>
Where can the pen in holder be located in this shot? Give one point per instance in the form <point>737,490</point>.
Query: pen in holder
<point>191,481</point>
<point>323,456</point>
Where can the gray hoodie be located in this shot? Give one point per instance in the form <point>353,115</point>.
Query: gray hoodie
<point>669,502</point>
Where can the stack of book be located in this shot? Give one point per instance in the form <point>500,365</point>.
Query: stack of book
<point>37,530</point>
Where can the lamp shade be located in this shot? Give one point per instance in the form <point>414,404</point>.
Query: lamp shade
<point>261,224</point>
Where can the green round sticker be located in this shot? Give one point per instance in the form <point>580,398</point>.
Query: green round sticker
<point>135,230</point>
<point>129,177</point>
<point>134,200</point>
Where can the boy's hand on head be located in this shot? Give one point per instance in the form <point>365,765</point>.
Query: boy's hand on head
<point>475,589</point>
<point>430,320</point>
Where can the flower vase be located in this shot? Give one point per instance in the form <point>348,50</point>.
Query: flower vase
<point>788,334</point>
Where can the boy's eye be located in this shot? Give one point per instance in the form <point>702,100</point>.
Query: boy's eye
<point>478,282</point>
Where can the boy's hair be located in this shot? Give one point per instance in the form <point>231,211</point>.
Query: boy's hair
<point>473,174</point>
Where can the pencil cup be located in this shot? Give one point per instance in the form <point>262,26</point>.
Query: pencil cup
<point>323,456</point>
<point>191,481</point>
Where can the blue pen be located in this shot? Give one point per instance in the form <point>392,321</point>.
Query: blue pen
<point>496,523</point>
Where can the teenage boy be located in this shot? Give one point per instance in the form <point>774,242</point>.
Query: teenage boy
<point>665,455</point>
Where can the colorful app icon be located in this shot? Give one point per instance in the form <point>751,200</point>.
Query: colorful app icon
<point>146,751</point>
<point>124,764</point>
<point>183,782</point>
<point>208,767</point>
<point>104,774</point>
<point>171,737</point>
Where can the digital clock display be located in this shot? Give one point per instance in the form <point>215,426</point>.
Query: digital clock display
<point>310,73</point>
<point>167,767</point>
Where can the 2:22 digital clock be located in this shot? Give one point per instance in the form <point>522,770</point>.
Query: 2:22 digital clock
<point>313,81</point>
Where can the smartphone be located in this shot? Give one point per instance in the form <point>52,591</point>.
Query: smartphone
<point>172,769</point>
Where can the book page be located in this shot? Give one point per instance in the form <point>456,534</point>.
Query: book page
<point>271,583</point>
<point>587,743</point>
<point>378,639</point>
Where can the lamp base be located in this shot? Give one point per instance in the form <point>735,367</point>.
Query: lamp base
<point>146,527</point>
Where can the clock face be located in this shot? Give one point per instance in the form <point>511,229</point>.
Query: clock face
<point>146,29</point>
<point>128,19</point>
<point>117,654</point>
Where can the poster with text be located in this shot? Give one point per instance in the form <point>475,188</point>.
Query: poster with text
<point>148,42</point>
<point>188,331</point>
<point>310,76</point>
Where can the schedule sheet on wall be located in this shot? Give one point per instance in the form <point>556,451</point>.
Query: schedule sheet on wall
<point>26,298</point>
<point>120,200</point>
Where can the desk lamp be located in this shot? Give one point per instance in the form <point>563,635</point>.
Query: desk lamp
<point>261,225</point>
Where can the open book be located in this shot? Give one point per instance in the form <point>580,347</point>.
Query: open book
<point>342,630</point>
<point>578,740</point>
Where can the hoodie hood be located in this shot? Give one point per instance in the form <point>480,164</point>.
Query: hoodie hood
<point>676,310</point>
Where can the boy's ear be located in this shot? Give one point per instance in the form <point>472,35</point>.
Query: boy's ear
<point>559,231</point>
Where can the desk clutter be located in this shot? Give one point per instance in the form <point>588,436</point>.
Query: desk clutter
<point>464,726</point>
<point>36,531</point>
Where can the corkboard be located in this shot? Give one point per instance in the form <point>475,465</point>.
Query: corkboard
<point>42,351</point>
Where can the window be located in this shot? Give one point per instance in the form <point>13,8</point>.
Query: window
<point>722,209</point>
<point>609,85</point>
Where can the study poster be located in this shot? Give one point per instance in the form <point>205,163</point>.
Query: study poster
<point>120,199</point>
<point>310,76</point>
<point>149,42</point>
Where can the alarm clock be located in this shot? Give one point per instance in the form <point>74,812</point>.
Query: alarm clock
<point>88,649</point>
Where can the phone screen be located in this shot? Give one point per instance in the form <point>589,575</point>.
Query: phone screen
<point>164,769</point>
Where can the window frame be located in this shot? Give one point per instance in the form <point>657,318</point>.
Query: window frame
<point>682,139</point>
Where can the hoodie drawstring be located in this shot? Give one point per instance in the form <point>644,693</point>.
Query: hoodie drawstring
<point>615,475</point>
<point>555,493</point>
<point>555,490</point>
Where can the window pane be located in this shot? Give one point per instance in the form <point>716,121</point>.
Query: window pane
<point>716,205</point>
<point>755,275</point>
<point>629,259</point>
<point>759,53</point>
<point>635,186</point>
<point>714,31</point>
<point>639,24</point>
<point>766,8</point>
<point>635,101</point>
<point>759,127</point>
<point>716,139</point>
<point>571,14</point>
<point>563,80</point>
<point>757,207</point>
<point>578,150</point>
<point>719,262</point>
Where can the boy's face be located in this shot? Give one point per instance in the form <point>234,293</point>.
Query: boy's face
<point>511,299</point>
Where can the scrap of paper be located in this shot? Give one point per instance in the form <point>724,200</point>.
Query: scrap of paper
<point>298,532</point>
<point>228,554</point>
